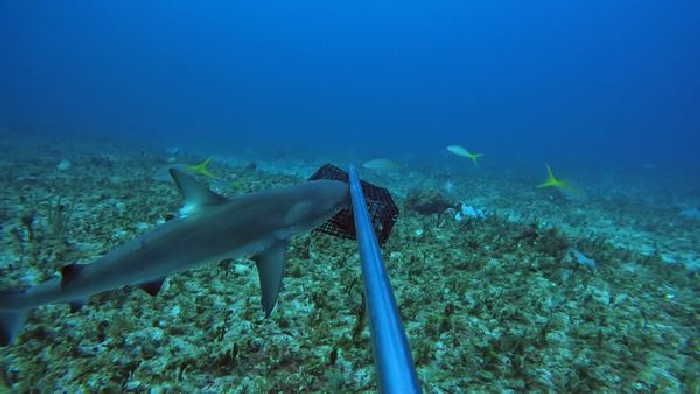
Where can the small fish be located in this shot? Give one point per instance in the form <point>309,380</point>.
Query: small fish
<point>553,181</point>
<point>449,186</point>
<point>461,152</point>
<point>381,164</point>
<point>582,259</point>
<point>565,188</point>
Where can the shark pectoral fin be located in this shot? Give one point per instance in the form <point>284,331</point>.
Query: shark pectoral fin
<point>270,265</point>
<point>194,194</point>
<point>11,323</point>
<point>152,287</point>
<point>76,305</point>
<point>69,273</point>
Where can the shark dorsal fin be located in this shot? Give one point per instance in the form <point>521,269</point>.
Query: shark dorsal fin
<point>195,195</point>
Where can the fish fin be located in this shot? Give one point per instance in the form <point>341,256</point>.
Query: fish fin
<point>11,323</point>
<point>69,273</point>
<point>196,196</point>
<point>76,305</point>
<point>270,265</point>
<point>152,287</point>
<point>201,168</point>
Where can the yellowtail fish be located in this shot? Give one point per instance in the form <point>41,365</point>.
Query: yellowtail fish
<point>460,151</point>
<point>381,164</point>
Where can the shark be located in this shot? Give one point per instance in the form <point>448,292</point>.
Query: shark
<point>209,228</point>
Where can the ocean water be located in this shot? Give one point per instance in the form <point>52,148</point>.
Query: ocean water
<point>507,278</point>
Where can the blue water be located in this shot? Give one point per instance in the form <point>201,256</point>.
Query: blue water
<point>614,83</point>
<point>589,287</point>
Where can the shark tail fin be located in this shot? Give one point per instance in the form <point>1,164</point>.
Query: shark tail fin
<point>11,323</point>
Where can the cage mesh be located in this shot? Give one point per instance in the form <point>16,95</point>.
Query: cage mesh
<point>380,207</point>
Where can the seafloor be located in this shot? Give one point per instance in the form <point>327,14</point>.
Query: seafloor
<point>503,303</point>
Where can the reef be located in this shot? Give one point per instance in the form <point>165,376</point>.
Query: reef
<point>489,305</point>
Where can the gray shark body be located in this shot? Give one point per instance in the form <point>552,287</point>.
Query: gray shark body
<point>210,228</point>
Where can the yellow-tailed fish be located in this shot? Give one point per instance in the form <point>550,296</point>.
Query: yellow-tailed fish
<point>461,152</point>
<point>381,164</point>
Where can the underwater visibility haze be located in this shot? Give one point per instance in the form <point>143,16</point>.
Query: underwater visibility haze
<point>543,158</point>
